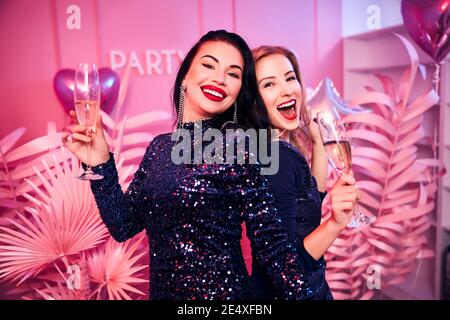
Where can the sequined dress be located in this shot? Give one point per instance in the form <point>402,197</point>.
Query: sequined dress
<point>192,214</point>
<point>298,202</point>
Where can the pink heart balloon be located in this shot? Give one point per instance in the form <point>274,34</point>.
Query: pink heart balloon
<point>63,84</point>
<point>428,24</point>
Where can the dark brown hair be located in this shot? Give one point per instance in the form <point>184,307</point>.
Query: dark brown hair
<point>249,102</point>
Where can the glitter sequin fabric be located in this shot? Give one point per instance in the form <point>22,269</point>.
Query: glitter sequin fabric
<point>299,207</point>
<point>192,214</point>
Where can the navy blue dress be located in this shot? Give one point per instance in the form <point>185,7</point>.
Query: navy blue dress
<point>298,203</point>
<point>192,214</point>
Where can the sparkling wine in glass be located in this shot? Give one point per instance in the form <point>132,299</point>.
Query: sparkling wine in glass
<point>339,154</point>
<point>338,148</point>
<point>87,105</point>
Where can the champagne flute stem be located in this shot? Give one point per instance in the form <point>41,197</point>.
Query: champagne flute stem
<point>89,155</point>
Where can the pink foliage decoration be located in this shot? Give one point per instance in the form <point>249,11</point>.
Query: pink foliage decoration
<point>53,244</point>
<point>74,287</point>
<point>397,187</point>
<point>113,267</point>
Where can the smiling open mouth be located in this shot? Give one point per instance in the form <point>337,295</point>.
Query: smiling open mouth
<point>213,93</point>
<point>288,109</point>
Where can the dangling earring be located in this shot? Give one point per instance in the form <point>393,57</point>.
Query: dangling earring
<point>181,103</point>
<point>234,117</point>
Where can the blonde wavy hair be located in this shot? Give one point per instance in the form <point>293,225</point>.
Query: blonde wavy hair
<point>299,137</point>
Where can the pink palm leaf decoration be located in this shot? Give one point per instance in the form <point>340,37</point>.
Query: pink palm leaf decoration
<point>41,210</point>
<point>17,164</point>
<point>396,184</point>
<point>64,222</point>
<point>34,173</point>
<point>74,286</point>
<point>115,268</point>
<point>8,196</point>
<point>58,292</point>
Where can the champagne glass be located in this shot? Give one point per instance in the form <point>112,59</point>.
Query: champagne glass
<point>338,148</point>
<point>87,105</point>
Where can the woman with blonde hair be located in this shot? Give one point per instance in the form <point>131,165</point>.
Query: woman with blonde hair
<point>299,188</point>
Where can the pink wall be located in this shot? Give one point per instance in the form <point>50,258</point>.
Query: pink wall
<point>37,43</point>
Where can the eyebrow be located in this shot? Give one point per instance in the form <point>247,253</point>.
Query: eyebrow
<point>216,60</point>
<point>271,77</point>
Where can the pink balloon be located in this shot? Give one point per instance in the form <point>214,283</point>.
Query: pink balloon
<point>428,24</point>
<point>63,84</point>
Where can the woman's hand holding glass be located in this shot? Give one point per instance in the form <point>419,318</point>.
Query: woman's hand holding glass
<point>87,141</point>
<point>337,145</point>
<point>78,141</point>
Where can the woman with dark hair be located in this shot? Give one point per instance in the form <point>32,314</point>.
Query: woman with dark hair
<point>299,190</point>
<point>247,101</point>
<point>192,212</point>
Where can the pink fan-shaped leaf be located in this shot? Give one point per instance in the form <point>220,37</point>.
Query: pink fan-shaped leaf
<point>115,269</point>
<point>61,225</point>
<point>46,237</point>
